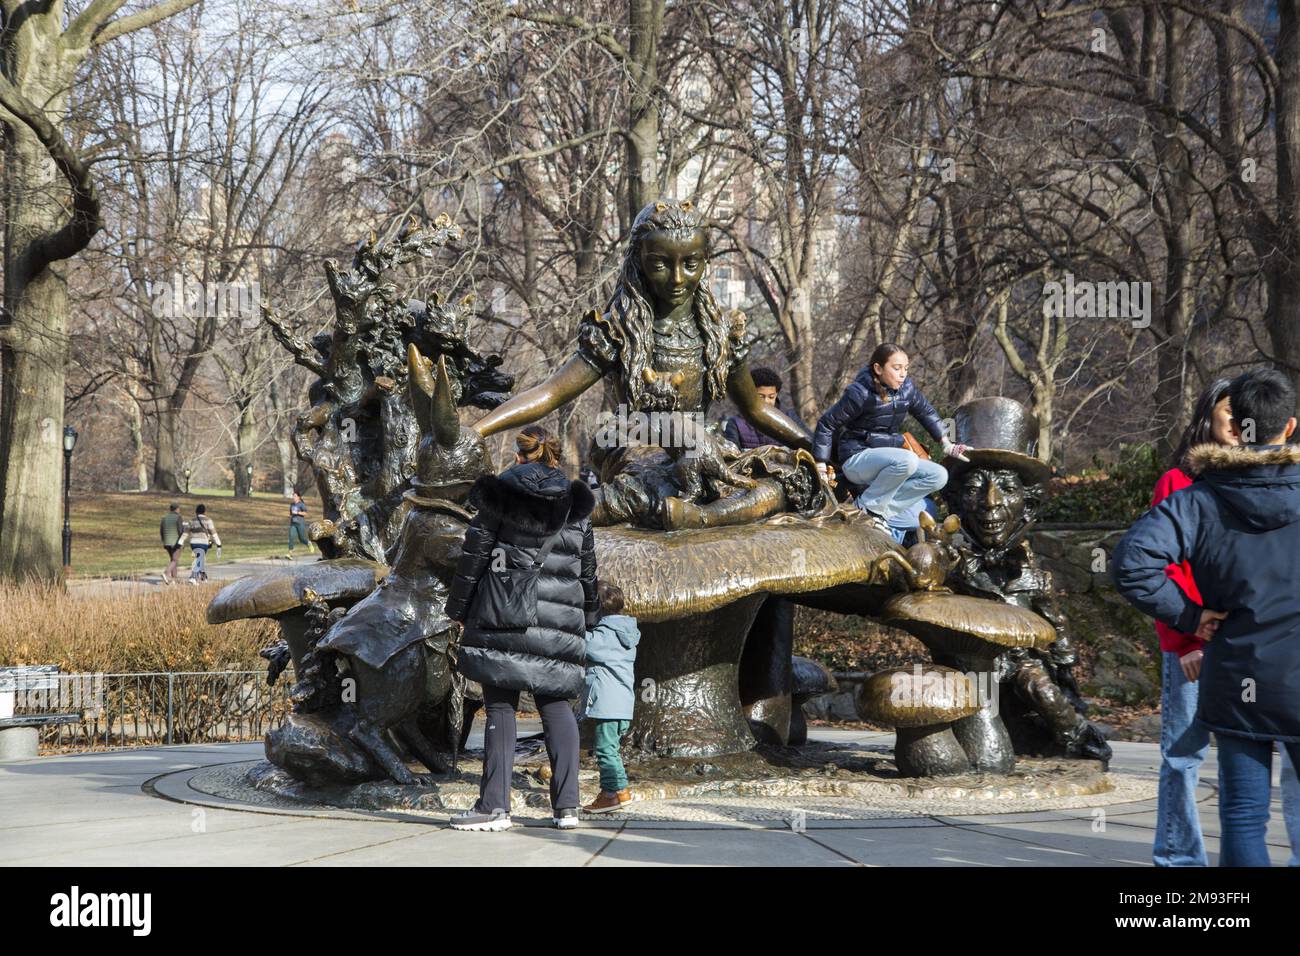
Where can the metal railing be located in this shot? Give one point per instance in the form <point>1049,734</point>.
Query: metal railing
<point>144,710</point>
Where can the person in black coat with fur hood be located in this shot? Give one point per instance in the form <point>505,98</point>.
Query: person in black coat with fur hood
<point>529,513</point>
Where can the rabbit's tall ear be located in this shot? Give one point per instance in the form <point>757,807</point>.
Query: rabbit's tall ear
<point>420,388</point>
<point>446,423</point>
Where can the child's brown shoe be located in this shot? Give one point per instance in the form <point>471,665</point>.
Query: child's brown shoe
<point>606,801</point>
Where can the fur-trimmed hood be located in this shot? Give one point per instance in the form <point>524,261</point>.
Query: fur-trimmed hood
<point>533,497</point>
<point>1260,484</point>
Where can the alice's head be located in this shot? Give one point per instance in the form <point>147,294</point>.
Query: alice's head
<point>665,266</point>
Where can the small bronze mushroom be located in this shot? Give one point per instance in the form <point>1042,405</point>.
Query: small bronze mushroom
<point>921,703</point>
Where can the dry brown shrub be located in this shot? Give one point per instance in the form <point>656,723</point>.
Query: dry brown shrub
<point>131,632</point>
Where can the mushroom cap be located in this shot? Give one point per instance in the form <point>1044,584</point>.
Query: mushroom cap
<point>272,593</point>
<point>810,678</point>
<point>957,624</point>
<point>919,696</point>
<point>666,576</point>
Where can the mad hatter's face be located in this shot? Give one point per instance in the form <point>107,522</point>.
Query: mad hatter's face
<point>993,505</point>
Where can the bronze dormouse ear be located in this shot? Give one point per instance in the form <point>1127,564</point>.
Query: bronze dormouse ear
<point>446,423</point>
<point>686,204</point>
<point>420,387</point>
<point>661,206</point>
<point>650,375</point>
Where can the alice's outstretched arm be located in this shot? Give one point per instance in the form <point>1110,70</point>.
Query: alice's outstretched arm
<point>768,419</point>
<point>572,379</point>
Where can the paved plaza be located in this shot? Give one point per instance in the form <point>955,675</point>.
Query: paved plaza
<point>126,808</point>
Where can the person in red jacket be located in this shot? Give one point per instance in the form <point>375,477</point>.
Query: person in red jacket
<point>1183,742</point>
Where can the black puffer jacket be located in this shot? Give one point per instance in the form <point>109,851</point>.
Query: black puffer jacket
<point>517,511</point>
<point>862,420</point>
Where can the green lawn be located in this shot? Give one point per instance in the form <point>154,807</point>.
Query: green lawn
<point>115,533</point>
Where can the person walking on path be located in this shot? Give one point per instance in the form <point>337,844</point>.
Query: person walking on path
<point>863,431</point>
<point>525,589</point>
<point>171,528</point>
<point>1238,526</point>
<point>298,523</point>
<point>609,695</point>
<point>200,534</point>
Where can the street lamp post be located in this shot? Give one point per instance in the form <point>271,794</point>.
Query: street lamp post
<point>248,470</point>
<point>187,481</point>
<point>69,442</point>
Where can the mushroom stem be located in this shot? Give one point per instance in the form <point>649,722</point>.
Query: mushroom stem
<point>930,751</point>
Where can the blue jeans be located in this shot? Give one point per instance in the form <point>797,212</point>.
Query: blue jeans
<point>1183,746</point>
<point>1291,803</point>
<point>1245,786</point>
<point>893,480</point>
<point>298,527</point>
<point>200,565</point>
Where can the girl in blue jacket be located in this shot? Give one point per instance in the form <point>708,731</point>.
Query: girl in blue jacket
<point>864,433</point>
<point>608,697</point>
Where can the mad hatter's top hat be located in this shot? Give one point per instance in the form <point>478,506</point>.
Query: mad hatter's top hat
<point>1000,433</point>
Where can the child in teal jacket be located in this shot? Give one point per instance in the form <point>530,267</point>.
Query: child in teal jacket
<point>608,695</point>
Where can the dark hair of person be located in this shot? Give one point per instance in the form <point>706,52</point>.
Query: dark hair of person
<point>1266,397</point>
<point>173,507</point>
<point>536,443</point>
<point>883,353</point>
<point>1201,428</point>
<point>611,597</point>
<point>765,378</point>
<point>201,509</point>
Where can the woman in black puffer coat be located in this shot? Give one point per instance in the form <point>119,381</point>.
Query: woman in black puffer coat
<point>519,511</point>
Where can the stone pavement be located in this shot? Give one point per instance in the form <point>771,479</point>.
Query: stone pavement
<point>103,809</point>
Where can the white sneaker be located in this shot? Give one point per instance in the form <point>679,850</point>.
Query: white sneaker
<point>487,822</point>
<point>566,819</point>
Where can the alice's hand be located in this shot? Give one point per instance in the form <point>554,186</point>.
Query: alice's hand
<point>1209,625</point>
<point>1191,664</point>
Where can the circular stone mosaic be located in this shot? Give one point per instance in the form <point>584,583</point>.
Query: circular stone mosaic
<point>820,781</point>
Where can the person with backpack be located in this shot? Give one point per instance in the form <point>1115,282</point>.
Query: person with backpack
<point>200,534</point>
<point>171,528</point>
<point>525,589</point>
<point>862,435</point>
<point>1238,527</point>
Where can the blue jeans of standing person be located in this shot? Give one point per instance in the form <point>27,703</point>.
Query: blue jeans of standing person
<point>1245,787</point>
<point>1183,746</point>
<point>893,480</point>
<point>1291,803</point>
<point>200,565</point>
<point>298,527</point>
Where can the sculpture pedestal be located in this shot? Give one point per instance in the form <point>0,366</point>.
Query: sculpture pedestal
<point>688,702</point>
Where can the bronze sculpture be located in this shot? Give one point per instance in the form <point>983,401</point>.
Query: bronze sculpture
<point>995,494</point>
<point>670,354</point>
<point>696,532</point>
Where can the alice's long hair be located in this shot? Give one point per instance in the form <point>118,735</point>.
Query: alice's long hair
<point>631,314</point>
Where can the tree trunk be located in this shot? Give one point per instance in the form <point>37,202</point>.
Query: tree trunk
<point>245,443</point>
<point>165,470</point>
<point>33,356</point>
<point>1284,272</point>
<point>645,20</point>
<point>31,425</point>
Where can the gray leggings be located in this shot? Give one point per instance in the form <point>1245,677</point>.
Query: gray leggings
<point>561,729</point>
